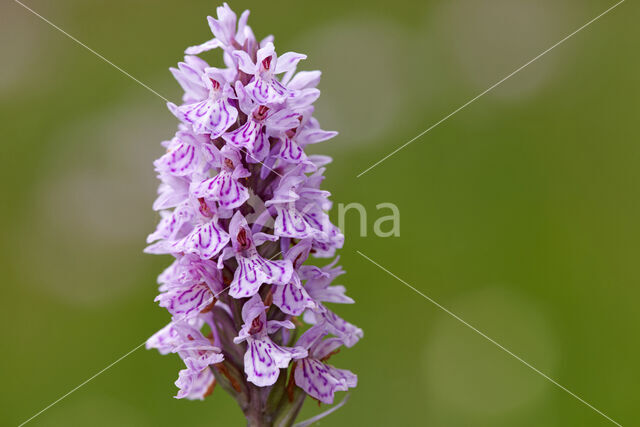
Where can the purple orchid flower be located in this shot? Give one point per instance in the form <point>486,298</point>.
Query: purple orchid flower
<point>315,377</point>
<point>194,385</point>
<point>264,358</point>
<point>225,188</point>
<point>319,280</point>
<point>253,270</point>
<point>186,153</point>
<point>189,76</point>
<point>252,135</point>
<point>300,208</point>
<point>224,30</point>
<point>215,114</point>
<point>196,351</point>
<point>188,286</point>
<point>206,239</point>
<point>292,298</point>
<point>264,87</point>
<point>242,283</point>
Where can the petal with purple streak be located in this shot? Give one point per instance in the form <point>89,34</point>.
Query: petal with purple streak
<point>244,136</point>
<point>254,271</point>
<point>182,159</point>
<point>260,148</point>
<point>210,116</point>
<point>312,136</point>
<point>198,355</point>
<point>194,385</point>
<point>283,120</point>
<point>290,223</point>
<point>348,333</point>
<point>291,152</point>
<point>224,189</point>
<point>292,298</point>
<point>206,240</point>
<point>172,223</point>
<point>185,301</point>
<point>266,90</point>
<point>264,359</point>
<point>321,381</point>
<point>302,98</point>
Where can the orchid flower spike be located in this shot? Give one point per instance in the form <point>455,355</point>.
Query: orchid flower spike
<point>248,309</point>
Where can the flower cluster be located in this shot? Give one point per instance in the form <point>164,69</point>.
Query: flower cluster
<point>242,211</point>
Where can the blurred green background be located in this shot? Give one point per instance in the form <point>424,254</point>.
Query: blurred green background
<point>520,213</point>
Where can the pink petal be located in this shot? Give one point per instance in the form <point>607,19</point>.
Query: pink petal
<point>244,62</point>
<point>284,120</point>
<point>312,136</point>
<point>254,271</point>
<point>244,136</point>
<point>206,240</point>
<point>288,61</point>
<point>224,189</point>
<point>289,223</point>
<point>264,359</point>
<point>290,152</point>
<point>194,385</point>
<point>266,91</point>
<point>204,47</point>
<point>186,301</point>
<point>304,80</point>
<point>181,160</point>
<point>292,298</point>
<point>209,116</point>
<point>321,381</point>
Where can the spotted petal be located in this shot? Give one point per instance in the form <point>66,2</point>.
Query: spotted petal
<point>176,333</point>
<point>185,301</point>
<point>164,340</point>
<point>195,385</point>
<point>224,189</point>
<point>199,354</point>
<point>283,120</point>
<point>253,271</point>
<point>348,333</point>
<point>290,223</point>
<point>291,152</point>
<point>260,148</point>
<point>264,359</point>
<point>292,298</point>
<point>189,270</point>
<point>209,116</point>
<point>180,160</point>
<point>206,240</point>
<point>171,223</point>
<point>267,90</point>
<point>321,381</point>
<point>244,136</point>
<point>327,293</point>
